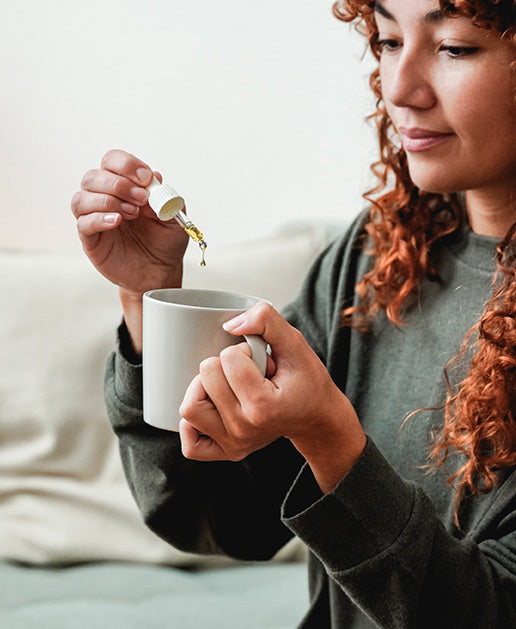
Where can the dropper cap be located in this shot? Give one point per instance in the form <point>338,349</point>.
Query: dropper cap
<point>164,200</point>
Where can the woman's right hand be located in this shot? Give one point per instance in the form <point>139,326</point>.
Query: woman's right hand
<point>124,238</point>
<point>120,233</point>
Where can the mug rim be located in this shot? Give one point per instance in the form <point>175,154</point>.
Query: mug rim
<point>153,296</point>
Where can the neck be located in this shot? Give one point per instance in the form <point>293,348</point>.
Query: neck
<point>490,214</point>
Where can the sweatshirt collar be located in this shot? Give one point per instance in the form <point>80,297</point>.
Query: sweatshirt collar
<point>474,249</point>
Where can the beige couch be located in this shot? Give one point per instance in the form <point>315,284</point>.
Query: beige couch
<point>64,505</point>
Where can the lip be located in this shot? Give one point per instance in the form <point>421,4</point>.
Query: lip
<point>417,139</point>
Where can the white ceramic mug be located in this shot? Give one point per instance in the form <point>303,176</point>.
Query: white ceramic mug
<point>182,327</point>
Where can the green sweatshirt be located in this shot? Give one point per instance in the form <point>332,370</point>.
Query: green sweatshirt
<point>384,551</point>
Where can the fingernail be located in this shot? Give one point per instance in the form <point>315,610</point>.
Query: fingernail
<point>110,218</point>
<point>234,323</point>
<point>144,175</point>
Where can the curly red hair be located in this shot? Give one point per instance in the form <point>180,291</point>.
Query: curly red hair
<point>403,225</point>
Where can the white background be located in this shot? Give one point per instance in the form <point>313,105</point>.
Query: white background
<point>254,111</point>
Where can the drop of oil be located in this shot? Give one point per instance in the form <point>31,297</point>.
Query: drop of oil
<point>203,246</point>
<point>195,234</point>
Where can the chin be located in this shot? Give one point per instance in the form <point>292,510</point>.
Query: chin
<point>437,181</point>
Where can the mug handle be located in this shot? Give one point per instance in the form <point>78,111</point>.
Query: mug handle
<point>258,351</point>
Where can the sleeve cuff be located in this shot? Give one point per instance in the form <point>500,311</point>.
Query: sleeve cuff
<point>127,368</point>
<point>125,345</point>
<point>363,516</point>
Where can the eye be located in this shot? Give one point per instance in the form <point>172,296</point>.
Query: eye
<point>459,52</point>
<point>388,45</point>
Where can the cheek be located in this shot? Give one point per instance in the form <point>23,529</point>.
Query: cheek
<point>489,125</point>
<point>480,107</point>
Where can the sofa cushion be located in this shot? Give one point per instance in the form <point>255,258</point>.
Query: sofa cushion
<point>118,596</point>
<point>63,497</point>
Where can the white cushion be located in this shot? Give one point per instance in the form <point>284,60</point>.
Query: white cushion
<point>63,496</point>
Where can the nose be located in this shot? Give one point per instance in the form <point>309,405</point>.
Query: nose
<point>406,81</point>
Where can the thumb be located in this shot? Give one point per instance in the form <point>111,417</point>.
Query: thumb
<point>264,320</point>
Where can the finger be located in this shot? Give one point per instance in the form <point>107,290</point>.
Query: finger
<point>245,380</point>
<point>96,223</point>
<point>241,354</point>
<point>105,182</point>
<point>123,163</point>
<point>199,410</point>
<point>264,320</point>
<point>217,387</point>
<point>87,202</point>
<point>197,446</point>
<point>194,394</point>
<point>270,370</point>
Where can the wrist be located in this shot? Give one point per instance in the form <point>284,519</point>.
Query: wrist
<point>132,302</point>
<point>334,448</point>
<point>132,306</point>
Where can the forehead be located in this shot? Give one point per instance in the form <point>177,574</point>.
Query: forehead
<point>429,11</point>
<point>427,15</point>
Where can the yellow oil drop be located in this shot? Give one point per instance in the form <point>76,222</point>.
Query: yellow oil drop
<point>203,246</point>
<point>197,236</point>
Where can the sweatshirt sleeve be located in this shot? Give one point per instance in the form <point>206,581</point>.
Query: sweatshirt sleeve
<point>380,540</point>
<point>210,508</point>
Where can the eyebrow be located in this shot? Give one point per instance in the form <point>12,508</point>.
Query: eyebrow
<point>432,17</point>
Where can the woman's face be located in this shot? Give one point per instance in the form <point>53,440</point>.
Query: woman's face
<point>450,93</point>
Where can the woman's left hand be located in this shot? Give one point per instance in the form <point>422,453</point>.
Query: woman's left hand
<point>230,410</point>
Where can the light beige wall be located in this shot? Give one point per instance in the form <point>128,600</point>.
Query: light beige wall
<point>252,110</point>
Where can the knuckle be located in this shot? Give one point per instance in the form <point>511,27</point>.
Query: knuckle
<point>254,417</point>
<point>209,364</point>
<point>262,312</point>
<point>239,435</point>
<point>126,163</point>
<point>116,186</point>
<point>107,204</point>
<point>258,409</point>
<point>227,351</point>
<point>184,411</point>
<point>108,157</point>
<point>186,450</point>
<point>76,202</point>
<point>243,432</point>
<point>188,410</point>
<point>88,179</point>
<point>263,308</point>
<point>230,352</point>
<point>116,160</point>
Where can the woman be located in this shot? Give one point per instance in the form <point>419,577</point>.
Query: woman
<point>410,517</point>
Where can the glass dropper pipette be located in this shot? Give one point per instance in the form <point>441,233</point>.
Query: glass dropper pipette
<point>168,204</point>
